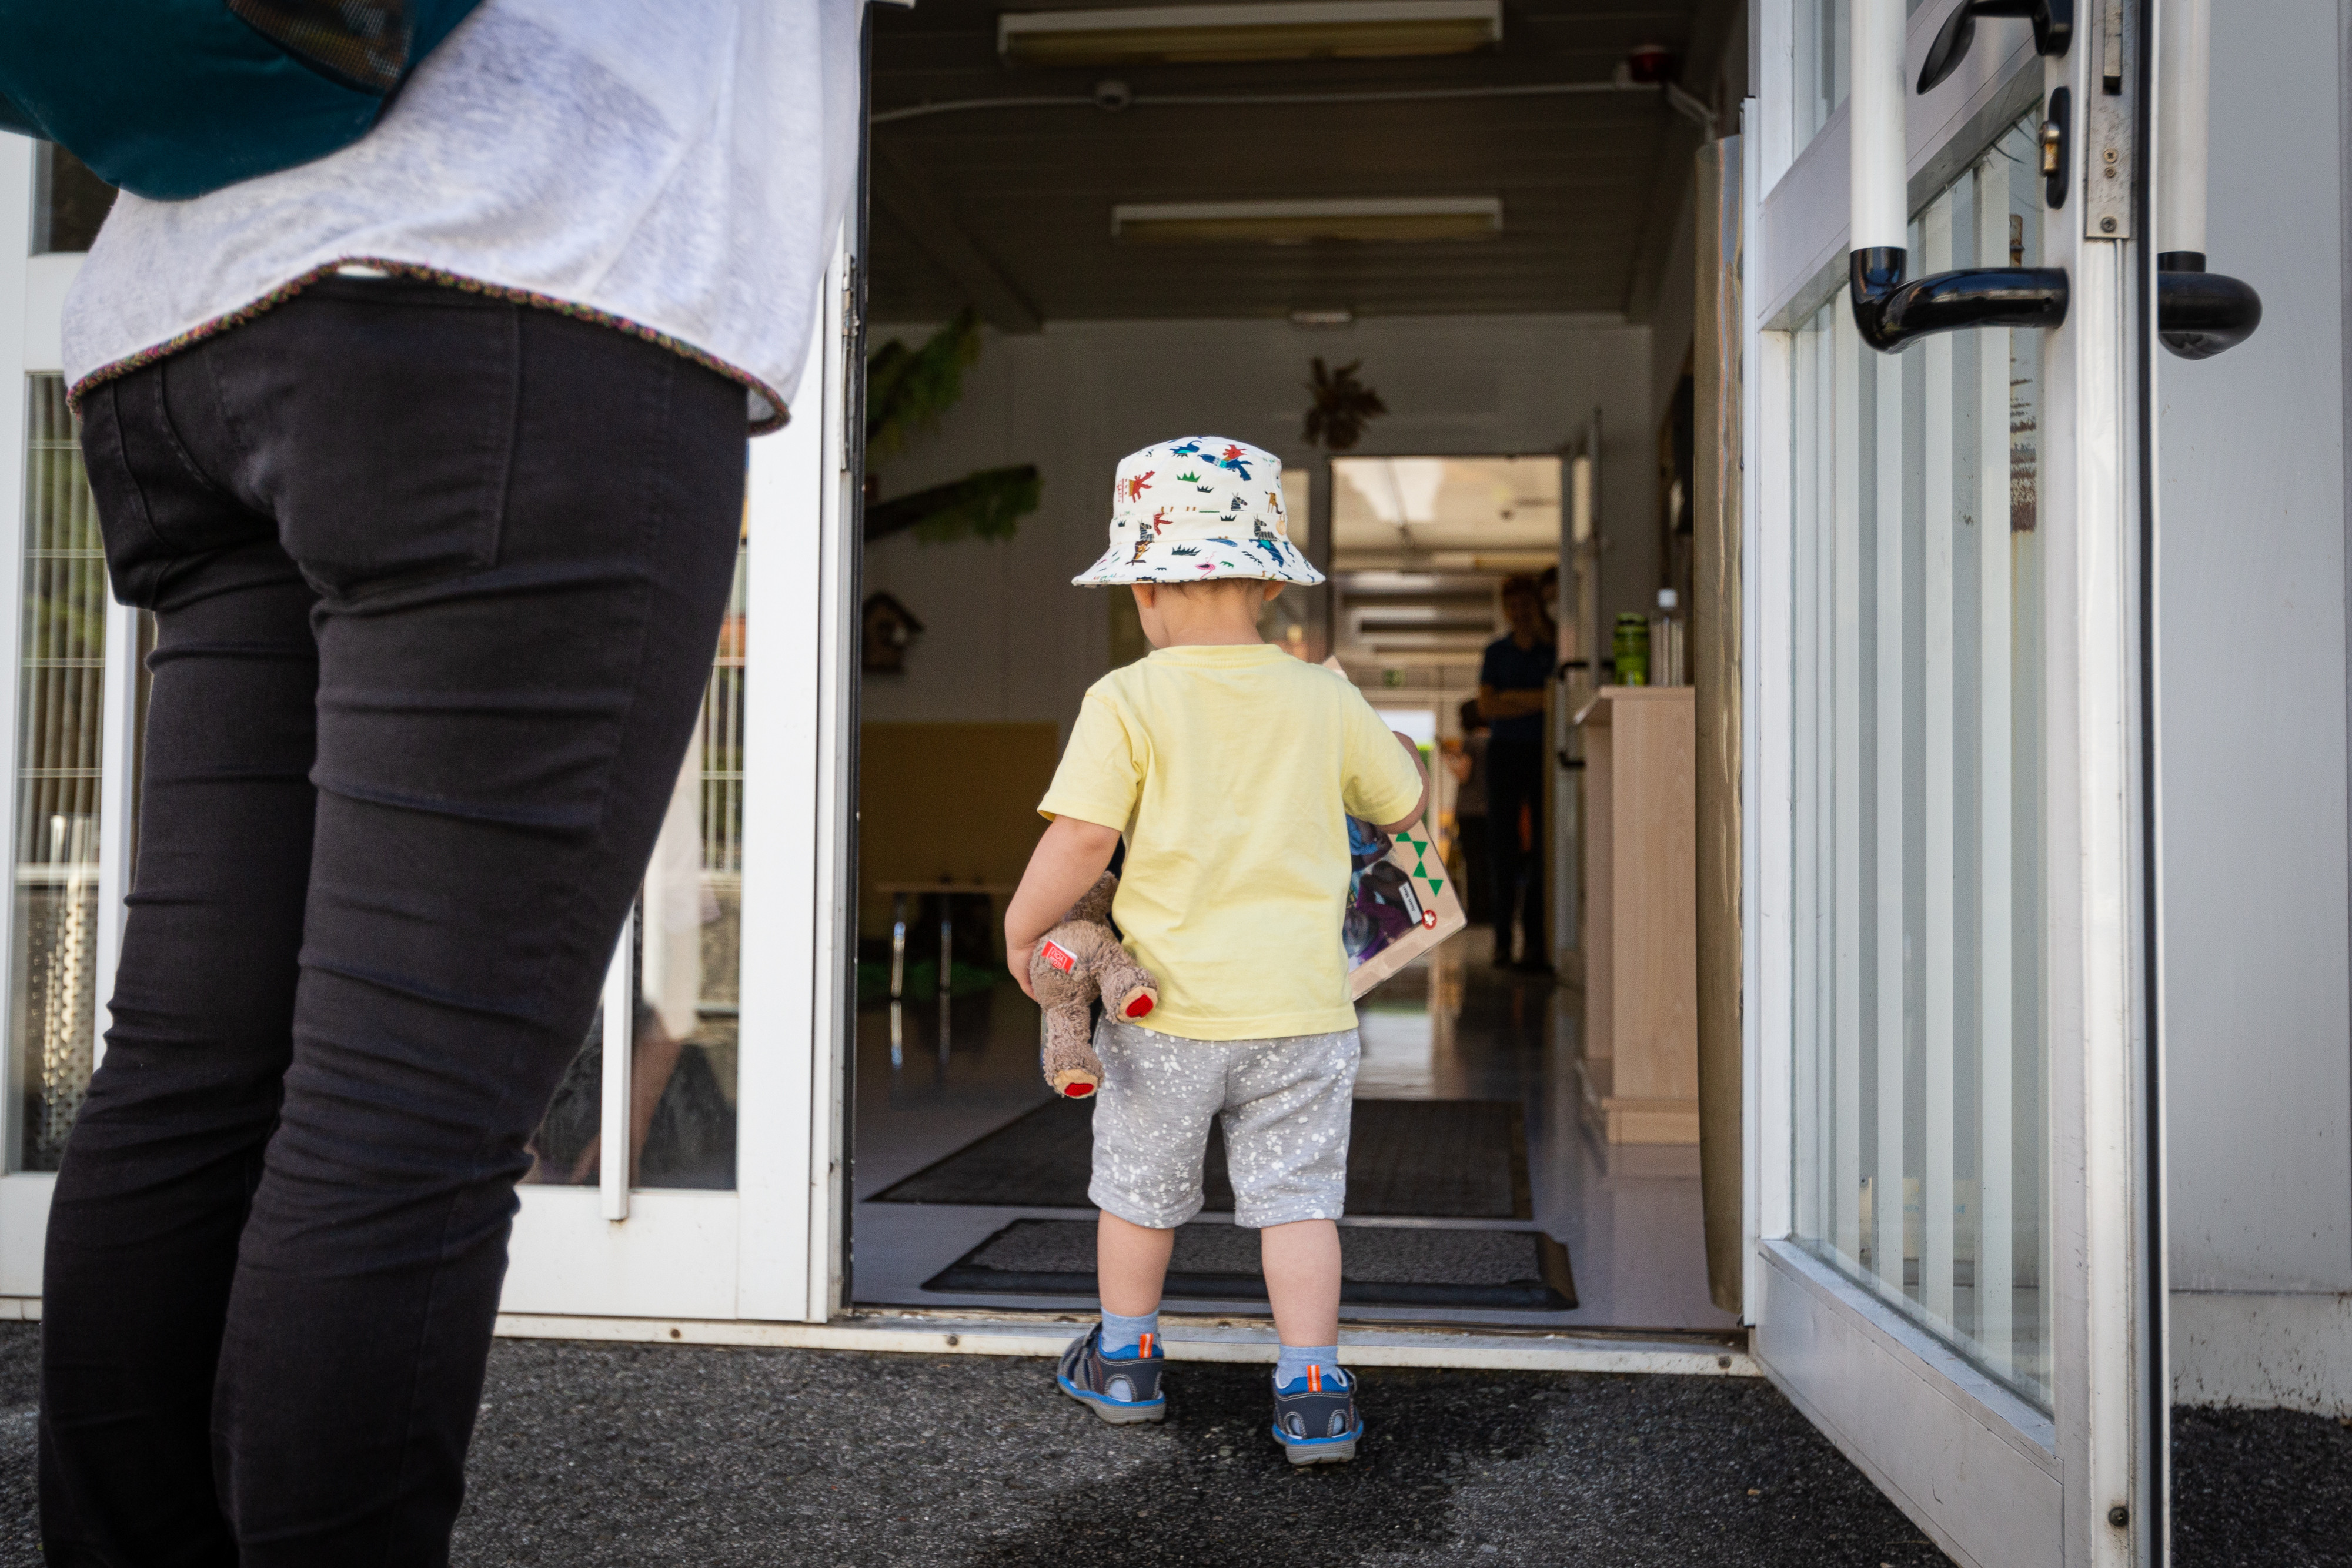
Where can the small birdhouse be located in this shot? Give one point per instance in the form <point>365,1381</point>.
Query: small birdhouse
<point>890,630</point>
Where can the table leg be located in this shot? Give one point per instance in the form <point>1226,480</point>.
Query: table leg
<point>947,939</point>
<point>897,945</point>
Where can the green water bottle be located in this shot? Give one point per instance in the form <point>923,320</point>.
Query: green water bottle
<point>1632,650</point>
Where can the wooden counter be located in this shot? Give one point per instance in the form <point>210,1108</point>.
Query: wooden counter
<point>1641,932</point>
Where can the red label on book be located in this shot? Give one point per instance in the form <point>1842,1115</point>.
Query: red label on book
<point>1059,956</point>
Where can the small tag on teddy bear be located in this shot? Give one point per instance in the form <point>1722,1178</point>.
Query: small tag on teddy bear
<point>1059,956</point>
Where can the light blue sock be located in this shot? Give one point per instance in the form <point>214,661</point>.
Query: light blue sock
<point>1296,1358</point>
<point>1121,1335</point>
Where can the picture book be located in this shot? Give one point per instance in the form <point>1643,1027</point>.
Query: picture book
<point>1401,903</point>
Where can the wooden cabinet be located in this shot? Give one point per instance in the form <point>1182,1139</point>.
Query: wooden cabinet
<point>1641,932</point>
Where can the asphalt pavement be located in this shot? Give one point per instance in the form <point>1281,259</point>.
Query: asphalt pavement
<point>651,1457</point>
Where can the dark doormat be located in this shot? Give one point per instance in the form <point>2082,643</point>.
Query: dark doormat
<point>1436,1160</point>
<point>1381,1266</point>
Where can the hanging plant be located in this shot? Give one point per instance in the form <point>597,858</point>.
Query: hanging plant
<point>1342,404</point>
<point>988,505</point>
<point>907,390</point>
<point>907,393</point>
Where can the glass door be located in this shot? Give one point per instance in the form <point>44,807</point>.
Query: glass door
<point>1953,1274</point>
<point>690,1165</point>
<point>67,707</point>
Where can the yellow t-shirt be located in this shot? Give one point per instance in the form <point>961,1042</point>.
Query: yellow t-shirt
<point>1232,770</point>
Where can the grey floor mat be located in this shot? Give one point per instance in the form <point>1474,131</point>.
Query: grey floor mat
<point>1438,1159</point>
<point>1381,1266</point>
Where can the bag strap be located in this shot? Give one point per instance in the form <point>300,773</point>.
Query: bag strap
<point>362,44</point>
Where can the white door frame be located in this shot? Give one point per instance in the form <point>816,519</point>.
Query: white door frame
<point>1994,1481</point>
<point>1579,575</point>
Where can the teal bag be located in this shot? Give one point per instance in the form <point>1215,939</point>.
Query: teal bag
<point>171,98</point>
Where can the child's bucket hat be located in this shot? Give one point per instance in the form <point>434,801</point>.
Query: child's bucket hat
<point>1199,508</point>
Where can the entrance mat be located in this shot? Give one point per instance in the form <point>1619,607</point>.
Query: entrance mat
<point>1435,1159</point>
<point>1380,1266</point>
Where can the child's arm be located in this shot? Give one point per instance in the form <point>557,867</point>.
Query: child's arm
<point>1068,860</point>
<point>1420,805</point>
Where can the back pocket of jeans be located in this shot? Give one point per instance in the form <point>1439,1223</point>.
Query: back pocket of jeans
<point>387,438</point>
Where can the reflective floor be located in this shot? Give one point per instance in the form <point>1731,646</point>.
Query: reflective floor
<point>1449,1027</point>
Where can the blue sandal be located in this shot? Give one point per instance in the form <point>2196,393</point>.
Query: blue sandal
<point>1314,1418</point>
<point>1121,1388</point>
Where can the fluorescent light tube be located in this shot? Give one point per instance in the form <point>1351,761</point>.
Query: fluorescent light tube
<point>1278,30</point>
<point>1300,223</point>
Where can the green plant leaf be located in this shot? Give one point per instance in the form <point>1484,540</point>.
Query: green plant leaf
<point>988,505</point>
<point>907,390</point>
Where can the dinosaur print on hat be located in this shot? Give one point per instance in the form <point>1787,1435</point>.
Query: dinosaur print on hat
<point>1210,513</point>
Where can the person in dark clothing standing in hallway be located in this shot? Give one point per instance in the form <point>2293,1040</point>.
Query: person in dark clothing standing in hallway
<point>1511,684</point>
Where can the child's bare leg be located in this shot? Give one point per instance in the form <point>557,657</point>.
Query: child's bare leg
<point>1302,1275</point>
<point>1131,1265</point>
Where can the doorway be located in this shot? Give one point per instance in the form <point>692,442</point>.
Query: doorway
<point>1106,315</point>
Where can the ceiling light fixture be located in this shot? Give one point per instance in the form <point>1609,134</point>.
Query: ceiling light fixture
<point>1300,223</point>
<point>1275,30</point>
<point>1322,317</point>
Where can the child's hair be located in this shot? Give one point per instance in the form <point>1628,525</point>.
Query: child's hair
<point>1210,587</point>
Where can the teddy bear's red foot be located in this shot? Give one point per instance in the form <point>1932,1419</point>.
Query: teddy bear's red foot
<point>1076,1083</point>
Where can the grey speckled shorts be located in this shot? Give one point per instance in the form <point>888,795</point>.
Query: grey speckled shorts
<point>1286,1104</point>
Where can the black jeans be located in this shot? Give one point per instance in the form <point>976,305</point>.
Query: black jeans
<point>1515,776</point>
<point>437,581</point>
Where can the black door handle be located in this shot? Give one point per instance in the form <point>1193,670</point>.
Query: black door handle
<point>1890,312</point>
<point>2054,29</point>
<point>2198,313</point>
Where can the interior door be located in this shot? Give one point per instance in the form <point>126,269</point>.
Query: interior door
<point>1956,1271</point>
<point>1579,613</point>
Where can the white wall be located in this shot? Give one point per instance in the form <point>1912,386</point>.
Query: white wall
<point>1008,639</point>
<point>2257,1022</point>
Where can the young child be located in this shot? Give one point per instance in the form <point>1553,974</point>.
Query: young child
<point>1231,768</point>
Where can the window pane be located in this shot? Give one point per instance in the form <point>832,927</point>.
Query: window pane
<point>70,202</point>
<point>688,964</point>
<point>1920,1147</point>
<point>1823,63</point>
<point>687,961</point>
<point>61,679</point>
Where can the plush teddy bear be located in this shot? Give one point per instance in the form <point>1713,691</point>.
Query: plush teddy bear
<point>1080,957</point>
